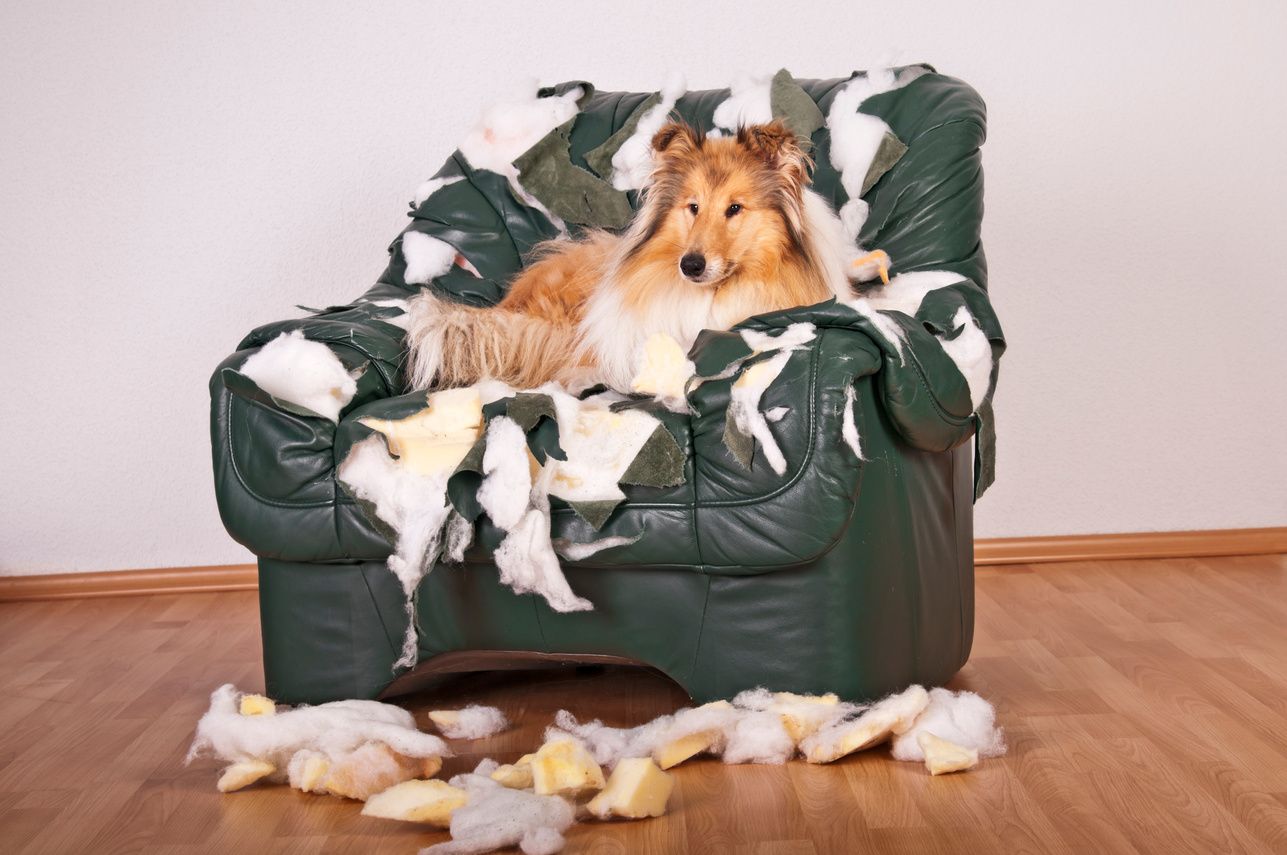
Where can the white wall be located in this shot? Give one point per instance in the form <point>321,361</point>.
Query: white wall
<point>174,174</point>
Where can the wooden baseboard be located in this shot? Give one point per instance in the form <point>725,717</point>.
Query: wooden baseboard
<point>1002,550</point>
<point>1119,547</point>
<point>119,583</point>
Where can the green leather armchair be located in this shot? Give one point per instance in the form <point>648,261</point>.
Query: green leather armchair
<point>838,575</point>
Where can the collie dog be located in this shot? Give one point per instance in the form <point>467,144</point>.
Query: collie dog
<point>727,229</point>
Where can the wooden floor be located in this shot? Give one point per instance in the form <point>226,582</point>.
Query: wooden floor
<point>1145,704</point>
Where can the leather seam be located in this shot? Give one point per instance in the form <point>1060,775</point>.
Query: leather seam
<point>264,500</point>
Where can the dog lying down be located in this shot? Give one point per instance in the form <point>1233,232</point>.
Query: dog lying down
<point>728,229</point>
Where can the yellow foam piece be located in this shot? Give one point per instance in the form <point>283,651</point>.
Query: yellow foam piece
<point>244,773</point>
<point>637,788</point>
<point>430,802</point>
<point>891,716</point>
<point>444,718</point>
<point>374,768</point>
<point>942,756</point>
<point>438,437</point>
<point>514,776</point>
<point>310,774</point>
<point>565,768</point>
<point>257,705</point>
<point>803,715</point>
<point>664,369</point>
<point>686,747</point>
<point>759,375</point>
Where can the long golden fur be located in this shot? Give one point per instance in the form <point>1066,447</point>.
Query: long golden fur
<point>727,229</point>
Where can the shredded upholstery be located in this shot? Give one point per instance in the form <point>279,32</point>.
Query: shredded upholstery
<point>305,373</point>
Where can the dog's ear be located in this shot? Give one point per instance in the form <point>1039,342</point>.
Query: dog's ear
<point>678,138</point>
<point>778,146</point>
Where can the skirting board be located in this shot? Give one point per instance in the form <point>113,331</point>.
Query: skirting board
<point>1006,550</point>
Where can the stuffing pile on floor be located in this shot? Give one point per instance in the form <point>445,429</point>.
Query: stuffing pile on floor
<point>374,753</point>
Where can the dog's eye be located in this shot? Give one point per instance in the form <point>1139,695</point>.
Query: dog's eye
<point>732,209</point>
<point>692,209</point>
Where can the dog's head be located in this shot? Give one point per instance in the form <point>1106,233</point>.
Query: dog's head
<point>720,204</point>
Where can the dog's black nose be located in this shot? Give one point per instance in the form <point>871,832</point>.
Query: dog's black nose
<point>692,265</point>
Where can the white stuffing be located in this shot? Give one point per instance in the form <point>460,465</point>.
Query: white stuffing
<point>963,718</point>
<point>395,320</point>
<point>885,325</point>
<point>413,505</point>
<point>848,427</point>
<point>496,817</point>
<point>334,730</point>
<point>906,291</point>
<point>749,103</point>
<point>745,394</point>
<point>610,745</point>
<point>507,482</point>
<point>527,562</point>
<point>969,349</point>
<point>891,715</point>
<point>744,407</point>
<point>475,722</point>
<point>511,127</point>
<point>792,338</point>
<point>580,551</point>
<point>525,558</point>
<point>856,137</point>
<point>632,164</point>
<point>776,414</point>
<point>972,353</point>
<point>599,445</point>
<point>460,535</point>
<point>486,766</point>
<point>432,186</point>
<point>302,372</point>
<point>759,737</point>
<point>427,257</point>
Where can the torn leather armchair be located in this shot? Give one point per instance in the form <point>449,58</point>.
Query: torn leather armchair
<point>843,573</point>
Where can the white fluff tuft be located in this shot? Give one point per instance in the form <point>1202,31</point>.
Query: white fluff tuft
<point>963,718</point>
<point>972,353</point>
<point>906,291</point>
<point>302,372</point>
<point>633,163</point>
<point>496,817</point>
<point>427,258</point>
<point>610,745</point>
<point>528,564</point>
<point>848,427</point>
<point>581,551</point>
<point>511,127</point>
<point>759,737</point>
<point>885,326</point>
<point>744,409</point>
<point>507,484</point>
<point>855,136</point>
<point>969,348</point>
<point>334,730</point>
<point>432,186</point>
<point>475,722</point>
<point>413,505</point>
<point>792,338</point>
<point>749,103</point>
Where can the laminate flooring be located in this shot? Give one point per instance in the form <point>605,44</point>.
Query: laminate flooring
<point>1145,705</point>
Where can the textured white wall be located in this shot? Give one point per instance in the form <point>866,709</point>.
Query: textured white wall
<point>172,175</point>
